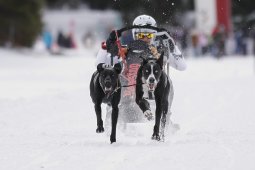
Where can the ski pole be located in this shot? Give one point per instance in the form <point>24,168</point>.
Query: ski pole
<point>121,53</point>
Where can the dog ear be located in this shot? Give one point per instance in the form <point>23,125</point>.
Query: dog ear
<point>144,60</point>
<point>118,68</point>
<point>100,67</point>
<point>160,60</point>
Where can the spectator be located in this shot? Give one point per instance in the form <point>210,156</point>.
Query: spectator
<point>219,37</point>
<point>47,39</point>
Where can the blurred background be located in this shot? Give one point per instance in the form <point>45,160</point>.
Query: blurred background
<point>212,27</point>
<point>47,57</point>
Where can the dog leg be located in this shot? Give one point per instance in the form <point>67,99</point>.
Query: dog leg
<point>155,135</point>
<point>115,113</point>
<point>162,127</point>
<point>100,127</point>
<point>163,120</point>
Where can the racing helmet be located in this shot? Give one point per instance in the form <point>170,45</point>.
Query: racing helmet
<point>143,20</point>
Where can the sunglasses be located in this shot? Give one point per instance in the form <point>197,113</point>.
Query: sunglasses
<point>142,35</point>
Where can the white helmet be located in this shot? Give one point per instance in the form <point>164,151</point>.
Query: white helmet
<point>143,20</point>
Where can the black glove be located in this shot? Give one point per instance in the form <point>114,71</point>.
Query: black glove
<point>112,35</point>
<point>111,46</point>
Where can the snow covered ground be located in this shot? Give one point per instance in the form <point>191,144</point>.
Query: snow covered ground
<point>47,119</point>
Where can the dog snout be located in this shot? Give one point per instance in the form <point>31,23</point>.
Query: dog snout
<point>151,80</point>
<point>108,83</point>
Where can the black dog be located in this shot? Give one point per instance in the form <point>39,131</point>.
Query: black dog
<point>151,75</point>
<point>105,88</point>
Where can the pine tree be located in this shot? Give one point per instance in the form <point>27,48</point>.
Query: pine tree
<point>20,21</point>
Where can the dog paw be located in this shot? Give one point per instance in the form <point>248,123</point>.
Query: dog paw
<point>148,114</point>
<point>112,139</point>
<point>155,137</point>
<point>100,129</point>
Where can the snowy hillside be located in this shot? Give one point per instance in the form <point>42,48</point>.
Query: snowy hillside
<point>47,119</point>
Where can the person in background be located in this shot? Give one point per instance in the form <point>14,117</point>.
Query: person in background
<point>47,39</point>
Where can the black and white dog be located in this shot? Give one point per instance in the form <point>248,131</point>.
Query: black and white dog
<point>152,77</point>
<point>105,88</point>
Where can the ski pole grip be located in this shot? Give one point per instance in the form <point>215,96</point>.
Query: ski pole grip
<point>103,45</point>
